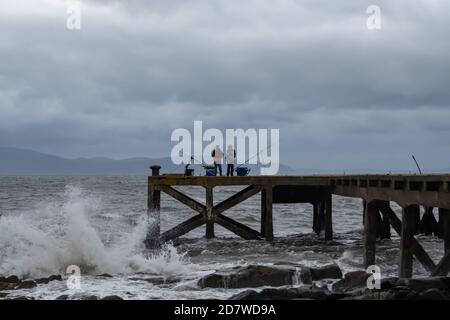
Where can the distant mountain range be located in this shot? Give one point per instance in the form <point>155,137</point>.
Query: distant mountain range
<point>14,161</point>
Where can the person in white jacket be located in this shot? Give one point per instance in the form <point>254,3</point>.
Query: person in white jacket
<point>231,156</point>
<point>217,155</point>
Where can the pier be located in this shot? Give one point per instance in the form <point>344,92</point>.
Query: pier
<point>410,192</point>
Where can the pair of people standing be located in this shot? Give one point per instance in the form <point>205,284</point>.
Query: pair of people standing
<point>217,155</point>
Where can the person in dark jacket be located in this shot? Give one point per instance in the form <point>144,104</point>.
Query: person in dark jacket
<point>231,156</point>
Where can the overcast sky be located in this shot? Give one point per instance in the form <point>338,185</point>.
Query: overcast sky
<point>342,96</point>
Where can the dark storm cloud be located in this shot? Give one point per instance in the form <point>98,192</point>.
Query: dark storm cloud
<point>139,69</point>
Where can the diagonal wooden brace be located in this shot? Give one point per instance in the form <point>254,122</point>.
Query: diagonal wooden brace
<point>443,267</point>
<point>191,203</point>
<point>236,199</point>
<point>183,228</point>
<point>418,250</point>
<point>238,228</point>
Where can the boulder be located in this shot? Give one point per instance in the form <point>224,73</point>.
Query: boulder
<point>41,281</point>
<point>22,298</point>
<point>12,279</point>
<point>63,297</point>
<point>6,286</point>
<point>112,297</point>
<point>434,294</point>
<point>388,283</point>
<point>156,280</point>
<point>55,277</point>
<point>352,280</point>
<point>423,284</point>
<point>251,277</point>
<point>88,297</point>
<point>49,279</point>
<point>27,284</point>
<point>3,294</point>
<point>330,271</point>
<point>105,275</point>
<point>303,292</point>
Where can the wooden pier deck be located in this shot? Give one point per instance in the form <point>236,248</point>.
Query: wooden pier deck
<point>411,192</point>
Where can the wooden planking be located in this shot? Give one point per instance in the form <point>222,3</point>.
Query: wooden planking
<point>428,190</point>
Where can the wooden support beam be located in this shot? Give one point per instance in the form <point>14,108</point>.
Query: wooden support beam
<point>191,203</point>
<point>317,218</point>
<point>428,223</point>
<point>418,250</point>
<point>153,212</point>
<point>236,199</point>
<point>263,212</point>
<point>364,204</point>
<point>209,213</point>
<point>328,217</point>
<point>238,228</point>
<point>444,214</point>
<point>443,267</point>
<point>416,221</point>
<point>385,227</point>
<point>407,240</point>
<point>183,228</point>
<point>370,229</point>
<point>268,209</point>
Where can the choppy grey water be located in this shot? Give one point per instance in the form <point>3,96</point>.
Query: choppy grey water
<point>99,223</point>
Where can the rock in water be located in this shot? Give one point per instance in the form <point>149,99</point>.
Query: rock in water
<point>12,279</point>
<point>112,297</point>
<point>277,275</point>
<point>27,284</point>
<point>88,297</point>
<point>330,271</point>
<point>352,280</point>
<point>434,294</point>
<point>250,277</point>
<point>56,277</point>
<point>303,292</point>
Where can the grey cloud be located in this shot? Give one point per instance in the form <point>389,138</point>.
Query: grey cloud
<point>139,69</point>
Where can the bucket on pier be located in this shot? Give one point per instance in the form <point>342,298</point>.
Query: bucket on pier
<point>242,171</point>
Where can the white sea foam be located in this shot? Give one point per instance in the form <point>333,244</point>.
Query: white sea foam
<point>46,241</point>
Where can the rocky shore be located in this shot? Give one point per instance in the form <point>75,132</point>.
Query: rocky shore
<point>281,281</point>
<point>10,284</point>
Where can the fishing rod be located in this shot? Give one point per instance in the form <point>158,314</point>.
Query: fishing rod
<point>254,156</point>
<point>418,167</point>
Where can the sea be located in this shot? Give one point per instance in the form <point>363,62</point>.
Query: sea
<point>99,223</point>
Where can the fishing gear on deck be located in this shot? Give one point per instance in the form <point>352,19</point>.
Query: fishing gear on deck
<point>210,170</point>
<point>418,167</point>
<point>244,171</point>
